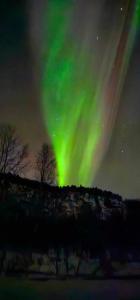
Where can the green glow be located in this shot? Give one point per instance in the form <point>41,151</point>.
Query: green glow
<point>74,95</point>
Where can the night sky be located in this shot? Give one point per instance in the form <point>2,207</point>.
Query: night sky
<point>20,88</point>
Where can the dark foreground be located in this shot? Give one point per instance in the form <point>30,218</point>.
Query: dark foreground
<point>11,289</point>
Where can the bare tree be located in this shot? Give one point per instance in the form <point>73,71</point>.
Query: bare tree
<point>13,155</point>
<point>45,164</point>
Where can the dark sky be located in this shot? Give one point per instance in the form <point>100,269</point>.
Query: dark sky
<point>20,38</point>
<point>19,88</point>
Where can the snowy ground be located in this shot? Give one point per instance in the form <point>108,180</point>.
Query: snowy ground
<point>46,266</point>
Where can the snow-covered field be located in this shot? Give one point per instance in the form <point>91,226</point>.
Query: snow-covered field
<point>45,265</point>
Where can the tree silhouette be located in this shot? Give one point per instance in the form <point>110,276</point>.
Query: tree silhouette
<point>13,155</point>
<point>45,164</point>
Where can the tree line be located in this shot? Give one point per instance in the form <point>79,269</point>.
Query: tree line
<point>14,156</point>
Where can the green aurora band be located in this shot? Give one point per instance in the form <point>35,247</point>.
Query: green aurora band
<point>80,98</point>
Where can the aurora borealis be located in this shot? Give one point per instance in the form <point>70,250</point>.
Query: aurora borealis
<point>81,90</point>
<point>100,42</point>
